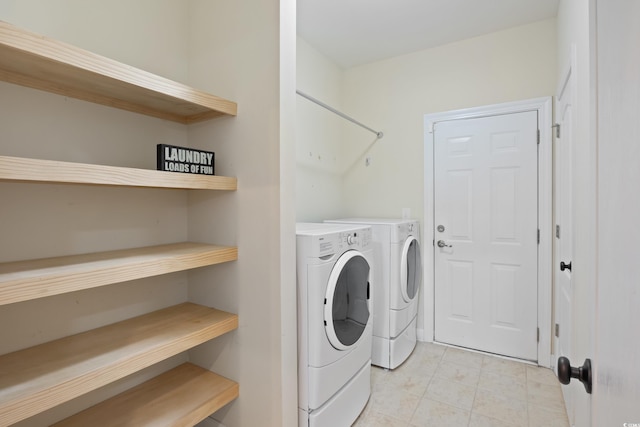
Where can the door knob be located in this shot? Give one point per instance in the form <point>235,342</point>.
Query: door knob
<point>583,373</point>
<point>442,244</point>
<point>564,266</point>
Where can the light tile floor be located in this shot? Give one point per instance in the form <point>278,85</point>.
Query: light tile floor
<point>442,386</point>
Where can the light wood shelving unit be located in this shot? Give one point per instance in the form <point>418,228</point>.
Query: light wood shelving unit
<point>25,280</point>
<point>41,377</point>
<point>44,376</point>
<point>182,396</point>
<point>20,169</point>
<point>31,60</point>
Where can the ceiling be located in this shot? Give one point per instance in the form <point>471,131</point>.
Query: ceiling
<point>355,32</point>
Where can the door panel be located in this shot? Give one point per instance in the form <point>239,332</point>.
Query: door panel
<point>461,283</point>
<point>486,199</point>
<point>503,295</point>
<point>564,232</point>
<point>617,343</point>
<point>503,205</point>
<point>461,204</point>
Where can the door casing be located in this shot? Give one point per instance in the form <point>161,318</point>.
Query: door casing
<point>545,213</point>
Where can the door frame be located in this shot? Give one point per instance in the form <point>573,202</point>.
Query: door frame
<point>545,213</point>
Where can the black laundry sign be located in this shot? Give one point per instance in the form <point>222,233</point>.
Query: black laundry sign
<point>185,160</point>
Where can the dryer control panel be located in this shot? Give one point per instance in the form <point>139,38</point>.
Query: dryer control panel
<point>403,230</point>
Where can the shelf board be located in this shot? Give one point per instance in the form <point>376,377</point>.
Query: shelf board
<point>181,397</point>
<point>26,280</point>
<point>20,169</point>
<point>41,377</point>
<point>35,61</point>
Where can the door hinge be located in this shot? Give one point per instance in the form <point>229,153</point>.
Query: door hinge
<point>538,236</point>
<point>538,137</point>
<point>557,330</point>
<point>556,126</point>
<point>538,335</point>
<point>557,231</point>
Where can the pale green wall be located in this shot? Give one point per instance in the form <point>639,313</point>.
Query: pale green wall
<point>395,94</point>
<point>148,34</point>
<point>319,137</point>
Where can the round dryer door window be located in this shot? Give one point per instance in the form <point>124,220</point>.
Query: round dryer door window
<point>411,269</point>
<point>346,304</point>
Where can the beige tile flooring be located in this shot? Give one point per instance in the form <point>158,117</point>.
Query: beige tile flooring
<point>442,386</point>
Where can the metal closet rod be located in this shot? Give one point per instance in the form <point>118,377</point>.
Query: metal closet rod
<point>341,114</point>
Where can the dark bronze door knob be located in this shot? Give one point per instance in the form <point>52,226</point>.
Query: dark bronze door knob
<point>582,373</point>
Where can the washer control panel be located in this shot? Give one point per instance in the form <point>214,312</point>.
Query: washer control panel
<point>341,241</point>
<point>357,239</point>
<point>333,239</point>
<point>352,238</point>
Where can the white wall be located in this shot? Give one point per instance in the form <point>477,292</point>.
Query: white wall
<point>234,51</point>
<point>288,287</point>
<point>319,137</point>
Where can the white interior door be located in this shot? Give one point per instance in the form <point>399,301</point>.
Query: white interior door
<point>564,226</point>
<point>617,349</point>
<point>486,233</point>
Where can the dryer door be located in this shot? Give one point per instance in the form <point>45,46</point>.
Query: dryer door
<point>410,269</point>
<point>346,304</point>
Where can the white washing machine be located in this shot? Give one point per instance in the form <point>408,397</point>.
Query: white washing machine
<point>335,324</point>
<point>398,271</point>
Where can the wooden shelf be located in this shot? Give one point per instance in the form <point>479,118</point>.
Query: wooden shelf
<point>38,378</point>
<point>26,280</point>
<point>41,377</point>
<point>181,397</point>
<point>35,61</point>
<point>19,169</point>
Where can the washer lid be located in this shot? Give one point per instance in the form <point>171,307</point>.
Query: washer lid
<point>346,303</point>
<point>410,269</point>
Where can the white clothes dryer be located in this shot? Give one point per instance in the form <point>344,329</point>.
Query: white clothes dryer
<point>398,270</point>
<point>335,324</point>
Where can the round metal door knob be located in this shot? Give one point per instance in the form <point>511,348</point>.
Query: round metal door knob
<point>582,373</point>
